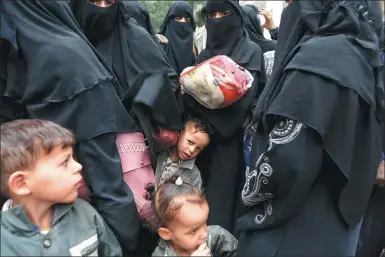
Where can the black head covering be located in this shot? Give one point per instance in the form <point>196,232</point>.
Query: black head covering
<point>180,35</point>
<point>140,14</point>
<point>146,79</point>
<point>338,42</point>
<point>224,33</point>
<point>97,23</point>
<point>254,29</point>
<point>226,36</point>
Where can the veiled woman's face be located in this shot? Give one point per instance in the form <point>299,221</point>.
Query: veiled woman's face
<point>182,19</point>
<point>102,3</point>
<point>214,15</point>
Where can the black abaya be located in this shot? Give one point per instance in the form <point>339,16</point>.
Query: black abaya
<point>147,84</point>
<point>313,147</point>
<point>372,235</point>
<point>254,29</point>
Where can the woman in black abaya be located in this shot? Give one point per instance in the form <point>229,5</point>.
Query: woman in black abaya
<point>147,84</point>
<point>313,148</point>
<point>178,27</point>
<point>255,32</point>
<point>55,74</point>
<point>254,28</point>
<point>141,15</point>
<point>222,162</point>
<point>137,11</point>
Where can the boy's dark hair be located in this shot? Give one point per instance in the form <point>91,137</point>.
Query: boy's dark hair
<point>169,198</point>
<point>197,124</point>
<point>23,142</point>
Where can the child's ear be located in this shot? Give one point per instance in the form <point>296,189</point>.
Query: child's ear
<point>17,183</point>
<point>165,234</point>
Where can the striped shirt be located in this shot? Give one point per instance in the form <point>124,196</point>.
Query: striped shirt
<point>187,170</point>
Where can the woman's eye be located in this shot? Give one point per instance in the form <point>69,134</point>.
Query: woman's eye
<point>110,2</point>
<point>210,15</point>
<point>227,13</point>
<point>188,19</point>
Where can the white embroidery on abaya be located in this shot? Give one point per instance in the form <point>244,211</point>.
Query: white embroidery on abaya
<point>284,132</point>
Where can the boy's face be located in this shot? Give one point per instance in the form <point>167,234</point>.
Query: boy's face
<point>56,177</point>
<point>191,142</point>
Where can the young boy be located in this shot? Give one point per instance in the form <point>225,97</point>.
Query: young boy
<point>43,215</point>
<point>180,160</point>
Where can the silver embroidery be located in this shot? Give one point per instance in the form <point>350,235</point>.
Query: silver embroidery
<point>268,211</point>
<point>284,132</point>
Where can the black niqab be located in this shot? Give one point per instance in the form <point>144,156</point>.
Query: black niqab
<point>337,41</point>
<point>96,22</point>
<point>180,35</point>
<point>223,33</point>
<point>254,29</point>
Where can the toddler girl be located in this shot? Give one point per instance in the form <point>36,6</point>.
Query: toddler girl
<point>180,218</point>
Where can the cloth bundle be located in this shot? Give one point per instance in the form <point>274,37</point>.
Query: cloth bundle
<point>217,82</point>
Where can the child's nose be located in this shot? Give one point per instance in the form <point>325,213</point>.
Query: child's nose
<point>77,167</point>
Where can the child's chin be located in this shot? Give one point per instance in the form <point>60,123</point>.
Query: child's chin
<point>183,157</point>
<point>71,198</point>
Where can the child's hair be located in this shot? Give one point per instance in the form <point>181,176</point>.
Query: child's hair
<point>23,142</point>
<point>169,198</point>
<point>197,124</point>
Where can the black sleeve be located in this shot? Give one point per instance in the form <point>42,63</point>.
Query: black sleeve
<point>276,186</point>
<point>111,196</point>
<point>274,33</point>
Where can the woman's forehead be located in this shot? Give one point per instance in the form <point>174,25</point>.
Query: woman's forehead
<point>218,6</point>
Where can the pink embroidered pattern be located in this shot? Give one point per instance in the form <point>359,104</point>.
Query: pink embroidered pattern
<point>132,147</point>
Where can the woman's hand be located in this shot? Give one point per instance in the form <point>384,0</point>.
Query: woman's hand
<point>269,23</point>
<point>162,39</point>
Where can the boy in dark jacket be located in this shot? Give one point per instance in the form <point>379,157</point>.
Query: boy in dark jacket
<point>43,215</point>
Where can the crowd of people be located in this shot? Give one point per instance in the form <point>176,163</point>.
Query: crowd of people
<point>294,167</point>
